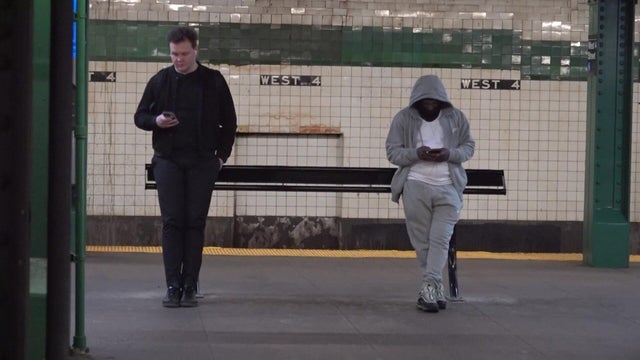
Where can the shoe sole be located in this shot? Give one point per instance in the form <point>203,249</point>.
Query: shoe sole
<point>188,304</point>
<point>442,305</point>
<point>428,308</point>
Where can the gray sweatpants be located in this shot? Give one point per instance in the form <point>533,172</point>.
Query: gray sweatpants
<point>431,212</point>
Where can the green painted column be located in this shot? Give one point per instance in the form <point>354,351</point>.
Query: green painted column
<point>609,101</point>
<point>80,189</point>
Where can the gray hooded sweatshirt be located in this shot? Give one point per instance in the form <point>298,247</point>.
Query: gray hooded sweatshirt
<point>401,141</point>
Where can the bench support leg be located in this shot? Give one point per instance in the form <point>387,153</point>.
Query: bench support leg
<point>454,294</point>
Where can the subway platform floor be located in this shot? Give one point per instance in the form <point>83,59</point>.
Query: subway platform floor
<point>287,306</point>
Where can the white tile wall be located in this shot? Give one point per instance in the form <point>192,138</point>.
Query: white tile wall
<point>537,134</point>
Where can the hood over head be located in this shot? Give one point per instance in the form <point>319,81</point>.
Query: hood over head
<point>429,87</point>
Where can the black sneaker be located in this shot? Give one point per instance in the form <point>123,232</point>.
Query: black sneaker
<point>189,297</point>
<point>172,299</point>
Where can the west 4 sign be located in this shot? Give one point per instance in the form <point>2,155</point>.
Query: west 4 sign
<point>102,76</point>
<point>291,80</point>
<point>489,84</point>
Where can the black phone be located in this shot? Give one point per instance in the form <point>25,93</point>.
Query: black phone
<point>169,114</point>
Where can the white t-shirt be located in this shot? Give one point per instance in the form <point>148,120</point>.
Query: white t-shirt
<point>434,173</point>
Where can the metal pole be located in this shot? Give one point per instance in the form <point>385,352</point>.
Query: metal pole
<point>454,293</point>
<point>59,204</point>
<point>79,339</point>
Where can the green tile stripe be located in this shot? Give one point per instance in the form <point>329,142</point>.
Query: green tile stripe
<point>244,44</point>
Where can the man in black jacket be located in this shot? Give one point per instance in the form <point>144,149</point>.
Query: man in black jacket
<point>190,111</point>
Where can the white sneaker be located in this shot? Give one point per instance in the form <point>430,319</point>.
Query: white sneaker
<point>441,300</point>
<point>427,300</point>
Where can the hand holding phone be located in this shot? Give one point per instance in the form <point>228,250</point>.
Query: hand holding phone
<point>167,119</point>
<point>438,155</point>
<point>423,152</point>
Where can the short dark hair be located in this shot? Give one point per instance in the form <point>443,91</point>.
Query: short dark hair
<point>182,33</point>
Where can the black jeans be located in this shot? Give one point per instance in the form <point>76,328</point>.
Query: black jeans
<point>184,188</point>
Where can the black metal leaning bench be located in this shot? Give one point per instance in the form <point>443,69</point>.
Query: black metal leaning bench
<point>342,179</point>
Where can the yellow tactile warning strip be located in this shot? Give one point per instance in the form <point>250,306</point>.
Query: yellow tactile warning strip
<point>348,253</point>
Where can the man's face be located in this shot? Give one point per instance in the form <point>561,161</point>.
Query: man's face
<point>429,109</point>
<point>183,56</point>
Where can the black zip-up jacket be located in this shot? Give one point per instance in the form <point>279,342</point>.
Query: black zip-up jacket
<point>216,117</point>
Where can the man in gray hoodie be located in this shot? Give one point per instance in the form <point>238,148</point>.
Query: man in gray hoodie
<point>428,141</point>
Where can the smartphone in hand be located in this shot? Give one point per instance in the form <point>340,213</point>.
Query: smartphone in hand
<point>169,114</point>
